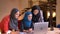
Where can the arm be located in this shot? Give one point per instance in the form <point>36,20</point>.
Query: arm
<point>4,24</point>
<point>32,26</point>
<point>41,18</point>
<point>22,28</point>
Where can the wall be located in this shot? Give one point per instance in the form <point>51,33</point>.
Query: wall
<point>23,4</point>
<point>6,6</point>
<point>58,12</point>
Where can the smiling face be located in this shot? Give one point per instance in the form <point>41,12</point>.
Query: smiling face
<point>30,17</point>
<point>36,12</point>
<point>17,15</point>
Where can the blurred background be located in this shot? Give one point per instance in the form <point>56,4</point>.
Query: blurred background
<point>49,8</point>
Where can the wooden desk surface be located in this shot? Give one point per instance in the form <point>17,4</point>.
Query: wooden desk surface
<point>55,31</point>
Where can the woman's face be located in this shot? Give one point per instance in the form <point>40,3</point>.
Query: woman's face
<point>17,15</point>
<point>36,12</point>
<point>30,17</point>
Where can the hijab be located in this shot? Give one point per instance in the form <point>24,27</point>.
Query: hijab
<point>13,21</point>
<point>25,19</point>
<point>35,18</point>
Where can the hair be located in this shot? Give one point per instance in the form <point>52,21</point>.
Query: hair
<point>13,12</point>
<point>35,17</point>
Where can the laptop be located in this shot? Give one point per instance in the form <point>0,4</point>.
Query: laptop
<point>41,28</point>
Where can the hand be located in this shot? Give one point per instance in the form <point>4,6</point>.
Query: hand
<point>30,30</point>
<point>13,30</point>
<point>25,30</point>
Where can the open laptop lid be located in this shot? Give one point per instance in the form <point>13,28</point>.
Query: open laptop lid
<point>40,27</point>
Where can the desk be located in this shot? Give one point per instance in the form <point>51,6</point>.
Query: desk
<point>55,31</point>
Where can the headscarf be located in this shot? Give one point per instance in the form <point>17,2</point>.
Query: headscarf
<point>13,21</point>
<point>25,19</point>
<point>35,18</point>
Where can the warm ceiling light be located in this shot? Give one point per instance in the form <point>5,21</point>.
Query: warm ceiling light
<point>54,14</point>
<point>48,14</point>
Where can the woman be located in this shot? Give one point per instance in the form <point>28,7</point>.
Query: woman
<point>37,14</point>
<point>26,24</point>
<point>13,25</point>
<point>10,22</point>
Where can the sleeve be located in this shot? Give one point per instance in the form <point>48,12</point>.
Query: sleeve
<point>32,26</point>
<point>41,18</point>
<point>4,24</point>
